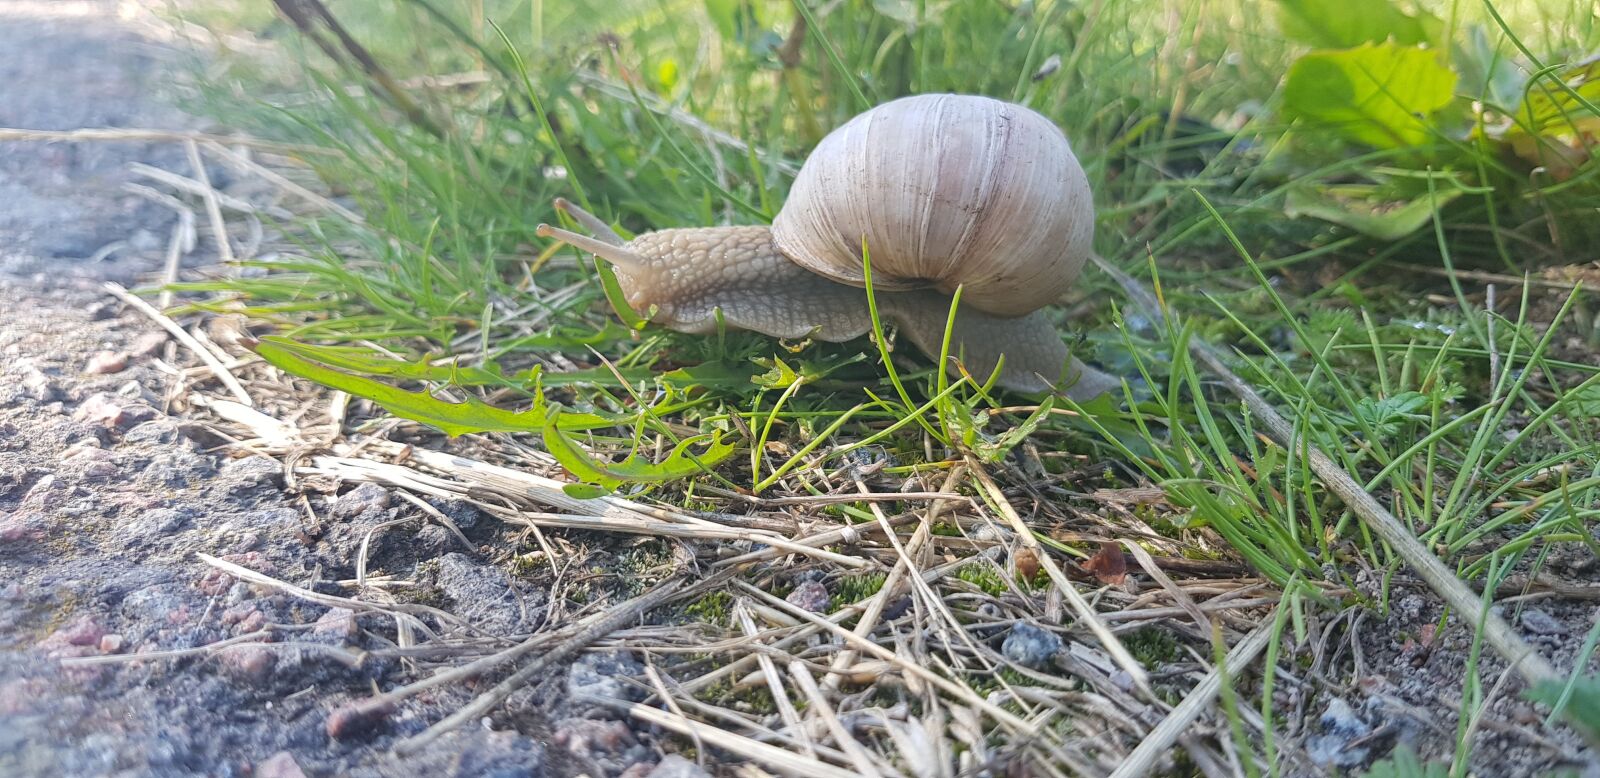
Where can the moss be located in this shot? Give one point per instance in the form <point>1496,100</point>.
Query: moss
<point>855,588</point>
<point>713,608</point>
<point>1153,646</point>
<point>983,576</point>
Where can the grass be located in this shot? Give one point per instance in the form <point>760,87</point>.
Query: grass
<point>1471,412</point>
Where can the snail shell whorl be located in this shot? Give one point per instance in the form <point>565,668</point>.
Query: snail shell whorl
<point>947,190</point>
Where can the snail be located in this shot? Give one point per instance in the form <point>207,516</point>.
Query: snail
<point>944,191</point>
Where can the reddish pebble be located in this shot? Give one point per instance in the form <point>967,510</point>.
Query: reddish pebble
<point>105,362</point>
<point>112,643</point>
<point>357,718</point>
<point>279,765</point>
<point>81,631</point>
<point>339,623</point>
<point>250,664</point>
<point>811,596</point>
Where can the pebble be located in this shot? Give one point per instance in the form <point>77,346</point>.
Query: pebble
<point>252,472</point>
<point>81,631</point>
<point>1030,645</point>
<point>105,362</point>
<point>248,664</point>
<point>148,343</point>
<point>279,765</point>
<point>674,766</point>
<point>1340,727</point>
<point>603,675</point>
<point>433,540</point>
<point>482,594</point>
<point>363,498</point>
<point>112,643</point>
<point>1540,623</point>
<point>160,432</point>
<point>110,411</point>
<point>37,385</point>
<point>356,719</point>
<point>602,741</point>
<point>809,595</point>
<point>338,626</point>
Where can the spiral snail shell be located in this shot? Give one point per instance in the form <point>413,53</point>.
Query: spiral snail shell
<point>944,191</point>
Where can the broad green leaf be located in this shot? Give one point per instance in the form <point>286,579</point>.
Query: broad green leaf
<point>681,463</point>
<point>779,376</point>
<point>1337,24</point>
<point>451,418</point>
<point>1577,701</point>
<point>1365,208</point>
<point>725,15</point>
<point>1558,120</point>
<point>1487,71</point>
<point>719,374</point>
<point>1380,95</point>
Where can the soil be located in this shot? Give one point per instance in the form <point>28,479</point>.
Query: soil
<point>106,499</point>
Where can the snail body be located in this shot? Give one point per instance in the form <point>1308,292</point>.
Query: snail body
<point>945,191</point>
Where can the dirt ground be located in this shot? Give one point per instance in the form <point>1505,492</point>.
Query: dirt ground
<point>106,498</point>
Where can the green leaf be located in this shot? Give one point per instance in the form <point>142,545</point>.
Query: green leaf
<point>725,15</point>
<point>367,362</point>
<point>1558,120</point>
<point>1336,24</point>
<point>1380,95</point>
<point>618,299</point>
<point>779,376</point>
<point>1577,701</point>
<point>452,418</point>
<point>681,463</point>
<point>1365,208</point>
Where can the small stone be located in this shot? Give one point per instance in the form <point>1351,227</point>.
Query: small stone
<point>81,631</point>
<point>252,472</point>
<point>483,595</point>
<point>21,527</point>
<point>592,738</point>
<point>279,765</point>
<point>107,410</point>
<point>433,540</point>
<point>112,643</point>
<point>363,498</point>
<point>99,408</point>
<point>356,719</point>
<point>1540,623</point>
<point>603,676</point>
<point>148,343</point>
<point>106,362</point>
<point>1340,728</point>
<point>338,625</point>
<point>1031,646</point>
<point>161,432</point>
<point>248,664</point>
<point>811,596</point>
<point>674,766</point>
<point>38,385</point>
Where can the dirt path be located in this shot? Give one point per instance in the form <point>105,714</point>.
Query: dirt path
<point>105,498</point>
